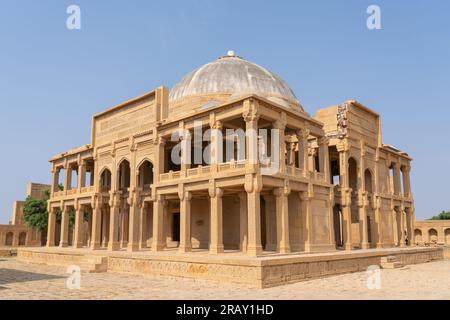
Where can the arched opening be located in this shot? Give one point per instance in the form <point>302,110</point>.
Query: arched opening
<point>145,175</point>
<point>105,180</point>
<point>368,181</point>
<point>417,236</point>
<point>447,236</point>
<point>124,176</point>
<point>338,225</point>
<point>22,238</point>
<point>353,174</point>
<point>9,239</point>
<point>432,236</point>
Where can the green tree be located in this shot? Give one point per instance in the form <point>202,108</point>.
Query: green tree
<point>35,212</point>
<point>444,215</point>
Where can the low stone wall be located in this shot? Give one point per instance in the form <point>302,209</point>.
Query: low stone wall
<point>255,272</point>
<point>7,252</point>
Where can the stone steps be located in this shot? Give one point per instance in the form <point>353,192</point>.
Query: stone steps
<point>94,264</point>
<point>390,262</point>
<point>8,252</point>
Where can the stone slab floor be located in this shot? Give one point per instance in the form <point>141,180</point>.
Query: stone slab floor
<point>26,281</point>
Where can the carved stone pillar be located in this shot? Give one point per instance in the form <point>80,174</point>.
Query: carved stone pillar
<point>51,230</point>
<point>185,222</point>
<point>216,243</point>
<point>65,227</point>
<point>282,209</point>
<point>243,230</point>
<point>79,227</point>
<point>159,242</point>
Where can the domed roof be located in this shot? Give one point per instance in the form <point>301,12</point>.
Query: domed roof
<point>234,76</point>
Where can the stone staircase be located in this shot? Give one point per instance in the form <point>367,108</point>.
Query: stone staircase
<point>8,252</point>
<point>94,264</point>
<point>390,262</point>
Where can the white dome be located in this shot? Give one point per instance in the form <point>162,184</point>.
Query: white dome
<point>235,76</point>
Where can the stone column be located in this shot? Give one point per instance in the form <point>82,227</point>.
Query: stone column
<point>81,175</point>
<point>251,117</point>
<point>159,242</point>
<point>55,180</point>
<point>185,222</point>
<point>67,178</point>
<point>395,225</point>
<point>346,198</point>
<point>185,151</point>
<point>254,247</point>
<point>216,242</point>
<point>51,230</point>
<point>158,168</point>
<point>243,229</point>
<point>282,210</point>
<point>133,234</point>
<point>65,227</point>
<point>114,243</point>
<point>305,202</point>
<point>402,227</point>
<point>302,136</point>
<point>397,188</point>
<point>143,226</point>
<point>89,229</point>
<point>324,161</point>
<point>96,226</point>
<point>378,219</point>
<point>406,181</point>
<point>280,125</point>
<point>79,227</point>
<point>216,144</point>
<point>124,226</point>
<point>362,205</point>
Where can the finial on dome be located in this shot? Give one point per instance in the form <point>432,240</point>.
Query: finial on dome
<point>230,54</point>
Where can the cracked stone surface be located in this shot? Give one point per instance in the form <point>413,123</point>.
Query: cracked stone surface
<point>29,281</point>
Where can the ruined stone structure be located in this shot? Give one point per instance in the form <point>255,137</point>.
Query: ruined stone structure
<point>16,233</point>
<point>337,186</point>
<point>432,232</point>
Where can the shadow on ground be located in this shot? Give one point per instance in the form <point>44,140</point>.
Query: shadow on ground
<point>8,276</point>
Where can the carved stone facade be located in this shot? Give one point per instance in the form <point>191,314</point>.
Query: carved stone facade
<point>137,198</point>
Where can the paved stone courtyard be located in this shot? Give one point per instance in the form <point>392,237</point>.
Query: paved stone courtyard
<point>27,281</point>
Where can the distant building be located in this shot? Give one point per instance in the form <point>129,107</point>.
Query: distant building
<point>16,233</point>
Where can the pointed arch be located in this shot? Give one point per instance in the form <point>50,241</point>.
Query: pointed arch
<point>368,180</point>
<point>145,174</point>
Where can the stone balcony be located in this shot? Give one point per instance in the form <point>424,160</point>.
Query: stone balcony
<point>73,193</point>
<point>234,168</point>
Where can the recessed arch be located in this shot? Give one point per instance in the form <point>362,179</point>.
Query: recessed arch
<point>105,179</point>
<point>432,235</point>
<point>9,239</point>
<point>22,238</point>
<point>418,236</point>
<point>368,180</point>
<point>145,174</point>
<point>353,173</point>
<point>447,235</point>
<point>124,174</point>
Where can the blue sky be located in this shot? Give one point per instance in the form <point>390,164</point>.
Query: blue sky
<point>52,80</point>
